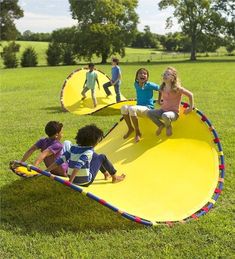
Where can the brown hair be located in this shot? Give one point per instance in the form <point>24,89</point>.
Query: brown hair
<point>137,72</point>
<point>53,127</point>
<point>116,60</point>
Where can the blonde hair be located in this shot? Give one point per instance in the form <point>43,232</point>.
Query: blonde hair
<point>176,84</point>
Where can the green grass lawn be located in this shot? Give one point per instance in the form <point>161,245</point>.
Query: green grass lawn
<point>44,219</point>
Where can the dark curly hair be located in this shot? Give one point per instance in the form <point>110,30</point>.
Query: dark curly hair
<point>89,135</point>
<point>53,127</point>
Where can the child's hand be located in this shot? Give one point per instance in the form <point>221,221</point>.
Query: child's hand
<point>13,164</point>
<point>188,110</point>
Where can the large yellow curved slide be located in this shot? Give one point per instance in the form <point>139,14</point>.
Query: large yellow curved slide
<point>71,93</point>
<point>168,179</point>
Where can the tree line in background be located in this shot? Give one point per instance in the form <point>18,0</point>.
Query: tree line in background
<point>105,28</point>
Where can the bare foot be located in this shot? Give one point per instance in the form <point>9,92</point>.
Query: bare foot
<point>159,130</point>
<point>137,137</point>
<point>169,131</point>
<point>128,133</point>
<point>117,179</point>
<point>106,176</point>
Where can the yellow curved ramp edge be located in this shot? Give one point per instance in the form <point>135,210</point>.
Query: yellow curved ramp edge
<point>71,93</point>
<point>168,179</point>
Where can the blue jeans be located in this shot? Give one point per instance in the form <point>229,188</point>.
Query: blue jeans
<point>116,88</point>
<point>99,162</point>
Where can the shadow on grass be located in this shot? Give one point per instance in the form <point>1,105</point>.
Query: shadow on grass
<point>53,109</point>
<point>42,205</point>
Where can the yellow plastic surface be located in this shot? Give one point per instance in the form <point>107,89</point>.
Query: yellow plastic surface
<point>167,178</point>
<point>71,94</point>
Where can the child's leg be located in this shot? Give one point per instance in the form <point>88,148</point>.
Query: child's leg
<point>117,91</point>
<point>125,113</point>
<point>83,93</point>
<point>93,97</point>
<point>155,116</point>
<point>111,170</point>
<point>134,112</point>
<point>168,117</point>
<point>106,88</point>
<point>137,129</point>
<point>100,162</point>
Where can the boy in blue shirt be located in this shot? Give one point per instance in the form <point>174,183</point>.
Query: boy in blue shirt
<point>115,81</point>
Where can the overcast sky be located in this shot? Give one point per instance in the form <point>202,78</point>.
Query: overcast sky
<point>46,16</point>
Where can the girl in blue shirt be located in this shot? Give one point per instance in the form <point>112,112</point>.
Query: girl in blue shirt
<point>144,95</point>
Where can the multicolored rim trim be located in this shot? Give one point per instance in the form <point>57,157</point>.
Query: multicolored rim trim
<point>65,82</point>
<point>205,209</point>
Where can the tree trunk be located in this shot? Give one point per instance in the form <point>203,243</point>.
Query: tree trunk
<point>193,47</point>
<point>104,58</point>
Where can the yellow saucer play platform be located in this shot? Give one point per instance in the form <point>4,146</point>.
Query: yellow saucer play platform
<point>168,179</point>
<point>71,93</point>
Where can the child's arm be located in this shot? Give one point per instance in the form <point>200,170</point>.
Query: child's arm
<point>159,97</point>
<point>98,83</point>
<point>119,78</point>
<point>52,167</point>
<point>191,100</point>
<point>73,175</point>
<point>84,83</point>
<point>28,153</point>
<point>47,152</point>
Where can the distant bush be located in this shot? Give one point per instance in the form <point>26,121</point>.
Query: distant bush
<point>9,55</point>
<point>68,55</point>
<point>54,54</point>
<point>29,58</point>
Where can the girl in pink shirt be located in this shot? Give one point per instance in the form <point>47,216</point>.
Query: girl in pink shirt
<point>169,99</point>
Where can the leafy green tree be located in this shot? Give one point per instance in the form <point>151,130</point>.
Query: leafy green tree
<point>10,11</point>
<point>54,54</point>
<point>66,38</point>
<point>29,58</point>
<point>105,27</point>
<point>227,8</point>
<point>146,39</point>
<point>68,56</point>
<point>9,55</point>
<point>31,36</point>
<point>230,44</point>
<point>196,17</point>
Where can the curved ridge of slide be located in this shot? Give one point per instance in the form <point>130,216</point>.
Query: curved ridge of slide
<point>168,179</point>
<point>70,96</point>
